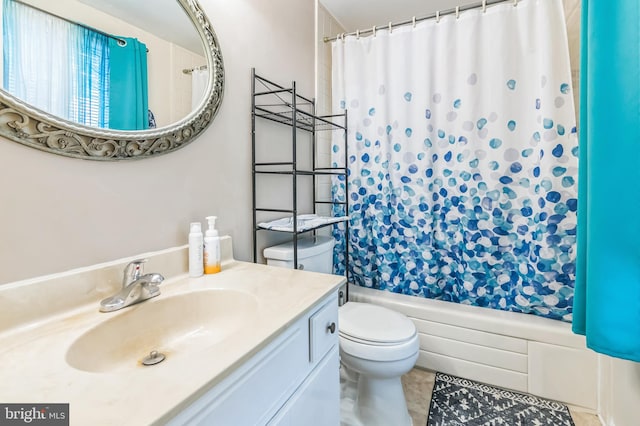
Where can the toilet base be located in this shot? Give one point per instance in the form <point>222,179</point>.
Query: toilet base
<point>381,402</point>
<point>372,401</point>
<point>348,394</point>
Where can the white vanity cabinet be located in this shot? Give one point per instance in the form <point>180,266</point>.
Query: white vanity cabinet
<point>294,380</point>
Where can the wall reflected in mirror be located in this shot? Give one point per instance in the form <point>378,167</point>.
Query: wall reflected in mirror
<point>88,60</point>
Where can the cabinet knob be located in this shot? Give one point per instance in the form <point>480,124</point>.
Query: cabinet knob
<point>332,327</point>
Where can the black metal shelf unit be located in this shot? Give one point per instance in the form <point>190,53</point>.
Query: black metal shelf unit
<point>273,102</point>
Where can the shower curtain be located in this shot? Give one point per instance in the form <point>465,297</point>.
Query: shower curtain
<point>462,159</point>
<point>199,80</point>
<point>607,304</point>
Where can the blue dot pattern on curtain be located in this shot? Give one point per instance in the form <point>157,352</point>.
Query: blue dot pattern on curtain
<point>462,236</point>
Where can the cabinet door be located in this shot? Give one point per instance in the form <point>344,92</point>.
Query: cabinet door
<point>256,390</point>
<point>317,401</point>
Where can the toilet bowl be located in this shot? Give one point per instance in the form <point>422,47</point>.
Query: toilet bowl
<point>377,345</point>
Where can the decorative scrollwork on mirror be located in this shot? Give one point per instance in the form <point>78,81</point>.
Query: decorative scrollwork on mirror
<point>30,126</point>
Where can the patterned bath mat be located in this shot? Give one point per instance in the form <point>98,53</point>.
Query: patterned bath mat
<point>461,402</point>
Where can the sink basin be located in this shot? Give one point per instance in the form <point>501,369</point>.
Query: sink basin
<point>173,326</point>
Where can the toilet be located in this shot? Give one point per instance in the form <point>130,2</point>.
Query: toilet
<point>377,345</point>
<point>314,254</point>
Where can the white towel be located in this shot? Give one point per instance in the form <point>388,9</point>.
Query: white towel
<point>304,222</point>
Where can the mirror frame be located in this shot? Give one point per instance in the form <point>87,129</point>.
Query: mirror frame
<point>25,124</point>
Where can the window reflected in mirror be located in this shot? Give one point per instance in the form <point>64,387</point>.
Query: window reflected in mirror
<point>96,76</point>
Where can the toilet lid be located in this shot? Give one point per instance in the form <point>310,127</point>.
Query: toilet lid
<point>372,323</point>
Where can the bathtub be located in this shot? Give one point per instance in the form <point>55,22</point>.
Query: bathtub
<point>522,352</point>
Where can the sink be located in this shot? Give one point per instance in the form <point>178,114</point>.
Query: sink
<point>173,326</point>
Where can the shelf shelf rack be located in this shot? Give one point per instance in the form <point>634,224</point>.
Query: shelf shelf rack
<point>284,105</point>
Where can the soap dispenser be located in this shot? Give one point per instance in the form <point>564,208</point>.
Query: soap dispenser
<point>211,248</point>
<point>195,250</point>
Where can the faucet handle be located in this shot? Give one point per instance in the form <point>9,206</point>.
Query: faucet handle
<point>133,271</point>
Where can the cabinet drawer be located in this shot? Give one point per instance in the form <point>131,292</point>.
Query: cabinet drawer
<point>323,330</point>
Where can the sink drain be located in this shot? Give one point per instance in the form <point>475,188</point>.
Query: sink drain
<point>153,358</point>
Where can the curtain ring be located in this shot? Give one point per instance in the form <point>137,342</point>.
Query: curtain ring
<point>357,34</point>
<point>484,6</point>
<point>437,16</point>
<point>373,30</point>
<point>414,22</point>
<point>515,3</point>
<point>390,26</point>
<point>457,12</point>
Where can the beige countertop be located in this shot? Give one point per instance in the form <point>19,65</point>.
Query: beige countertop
<point>33,354</point>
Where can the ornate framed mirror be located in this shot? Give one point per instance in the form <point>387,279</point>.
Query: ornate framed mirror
<point>22,122</point>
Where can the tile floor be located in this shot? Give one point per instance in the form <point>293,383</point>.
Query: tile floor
<point>418,384</point>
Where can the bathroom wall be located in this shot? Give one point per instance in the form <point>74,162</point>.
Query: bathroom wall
<point>572,17</point>
<point>60,213</point>
<point>619,391</point>
<point>327,26</point>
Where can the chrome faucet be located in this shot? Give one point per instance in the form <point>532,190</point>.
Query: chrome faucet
<point>136,287</point>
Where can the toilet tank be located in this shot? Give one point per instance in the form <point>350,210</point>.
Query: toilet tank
<point>314,254</point>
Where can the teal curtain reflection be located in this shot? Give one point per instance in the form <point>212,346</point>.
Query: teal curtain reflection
<point>128,95</point>
<point>607,294</point>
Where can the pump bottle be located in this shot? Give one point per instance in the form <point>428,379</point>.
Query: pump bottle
<point>211,248</point>
<point>195,250</point>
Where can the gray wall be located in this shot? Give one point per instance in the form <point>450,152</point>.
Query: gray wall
<point>60,213</point>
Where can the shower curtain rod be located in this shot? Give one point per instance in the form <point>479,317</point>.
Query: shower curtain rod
<point>190,70</point>
<point>456,10</point>
<point>120,41</point>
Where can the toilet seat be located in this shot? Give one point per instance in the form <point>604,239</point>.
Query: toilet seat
<point>373,352</point>
<point>375,324</point>
<point>376,333</point>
